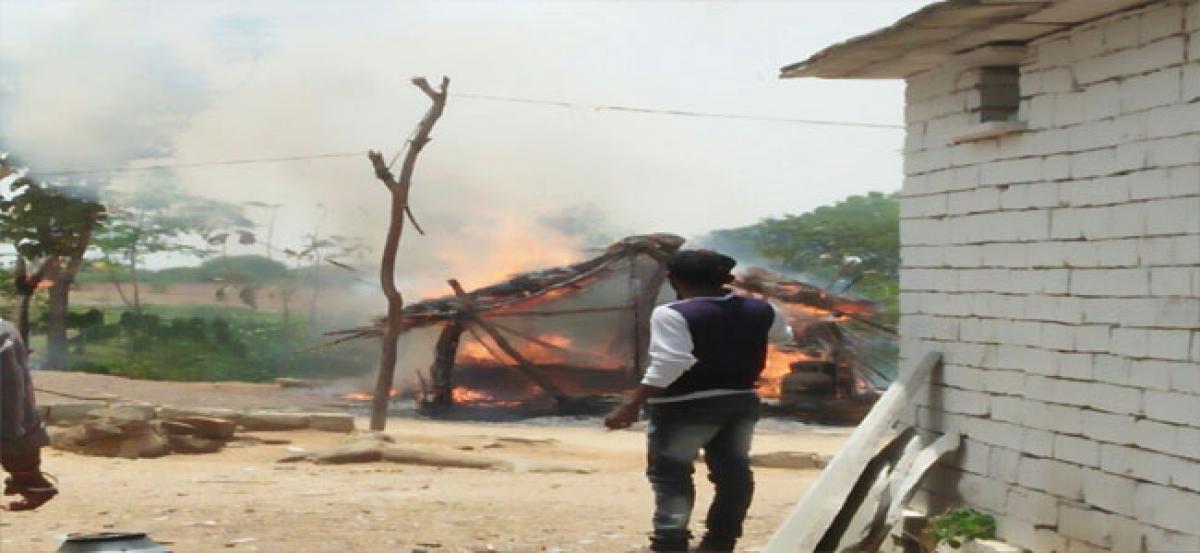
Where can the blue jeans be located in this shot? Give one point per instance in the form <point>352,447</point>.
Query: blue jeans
<point>724,427</point>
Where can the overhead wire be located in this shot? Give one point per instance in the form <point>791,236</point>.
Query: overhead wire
<point>487,97</point>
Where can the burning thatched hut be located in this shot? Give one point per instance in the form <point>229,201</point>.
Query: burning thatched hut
<point>582,330</point>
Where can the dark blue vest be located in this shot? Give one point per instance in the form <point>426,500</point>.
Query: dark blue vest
<point>729,341</point>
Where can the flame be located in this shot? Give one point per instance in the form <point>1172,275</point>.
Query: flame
<point>779,366</point>
<point>463,394</point>
<point>549,351</point>
<point>500,245</point>
<point>366,396</point>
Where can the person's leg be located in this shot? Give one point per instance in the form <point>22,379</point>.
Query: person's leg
<point>27,479</point>
<point>673,442</point>
<point>728,459</point>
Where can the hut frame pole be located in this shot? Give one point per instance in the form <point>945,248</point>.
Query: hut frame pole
<point>523,365</point>
<point>441,373</point>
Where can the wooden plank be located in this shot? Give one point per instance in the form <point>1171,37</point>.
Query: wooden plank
<point>812,516</point>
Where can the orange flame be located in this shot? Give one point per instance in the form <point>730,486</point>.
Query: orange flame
<point>779,366</point>
<point>366,396</point>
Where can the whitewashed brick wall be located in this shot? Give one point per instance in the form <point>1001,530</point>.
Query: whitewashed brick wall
<point>1058,271</point>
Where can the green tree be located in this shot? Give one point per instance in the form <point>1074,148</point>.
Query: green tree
<point>157,217</point>
<point>854,242</point>
<point>50,224</point>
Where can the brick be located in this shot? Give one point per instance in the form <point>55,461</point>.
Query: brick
<point>1131,342</point>
<point>1156,436</point>
<point>1114,399</point>
<point>1152,374</point>
<point>1191,75</point>
<point>1185,473</point>
<point>1112,369</point>
<point>1166,152</point>
<point>1094,338</point>
<point>974,456</point>
<point>1005,382</point>
<point>1085,524</point>
<point>1185,377</point>
<point>1156,539</point>
<point>1171,281</point>
<point>962,401</point>
<point>1161,21</point>
<point>1033,506</point>
<point>1058,478</point>
<point>1132,61</point>
<point>1137,463</point>
<point>1122,33</point>
<point>1003,464</point>
<point>1178,250</point>
<point>1171,344</point>
<point>1174,216</point>
<point>1108,427</point>
<point>1109,492</point>
<point>1007,408</point>
<point>1176,407</point>
<point>1110,282</point>
<point>1172,120</point>
<point>1184,181</point>
<point>1167,508</point>
<point>1037,442</point>
<point>1076,366</point>
<point>1101,100</point>
<point>1077,450</point>
<point>1094,163</point>
<point>1060,419</point>
<point>984,492</point>
<point>994,433</point>
<point>1187,442</point>
<point>1159,88</point>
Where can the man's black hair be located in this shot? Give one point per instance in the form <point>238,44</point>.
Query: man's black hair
<point>702,268</point>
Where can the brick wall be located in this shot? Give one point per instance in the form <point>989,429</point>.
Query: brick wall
<point>1058,270</point>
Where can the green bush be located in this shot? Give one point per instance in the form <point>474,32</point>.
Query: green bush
<point>962,525</point>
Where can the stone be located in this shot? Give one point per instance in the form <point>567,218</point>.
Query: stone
<point>169,412</point>
<point>331,422</point>
<point>66,414</point>
<point>273,420</point>
<point>210,427</point>
<point>125,412</point>
<point>175,428</point>
<point>108,437</point>
<point>409,456</point>
<point>362,452</point>
<point>194,444</point>
<point>793,460</point>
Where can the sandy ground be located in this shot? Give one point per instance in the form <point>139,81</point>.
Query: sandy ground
<point>243,500</point>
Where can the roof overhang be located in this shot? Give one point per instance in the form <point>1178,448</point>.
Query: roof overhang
<point>939,32</point>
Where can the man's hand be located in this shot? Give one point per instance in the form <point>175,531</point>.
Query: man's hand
<point>623,416</point>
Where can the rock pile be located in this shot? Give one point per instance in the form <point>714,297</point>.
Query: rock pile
<point>135,431</point>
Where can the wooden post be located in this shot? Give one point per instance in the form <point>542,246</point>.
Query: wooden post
<point>523,364</point>
<point>387,271</point>
<point>442,370</point>
<point>804,528</point>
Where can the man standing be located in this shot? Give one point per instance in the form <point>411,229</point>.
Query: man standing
<point>706,353</point>
<point>22,434</point>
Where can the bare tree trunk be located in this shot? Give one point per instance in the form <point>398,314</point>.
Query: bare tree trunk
<point>387,272</point>
<point>57,352</point>
<point>442,372</point>
<point>133,278</point>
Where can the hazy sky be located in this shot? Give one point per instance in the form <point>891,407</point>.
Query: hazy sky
<point>86,85</point>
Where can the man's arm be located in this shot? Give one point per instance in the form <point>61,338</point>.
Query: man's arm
<point>670,356</point>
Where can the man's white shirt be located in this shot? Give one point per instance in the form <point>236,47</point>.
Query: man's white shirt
<point>671,350</point>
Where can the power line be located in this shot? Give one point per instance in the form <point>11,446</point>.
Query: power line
<point>246,161</point>
<point>676,112</point>
<point>510,99</point>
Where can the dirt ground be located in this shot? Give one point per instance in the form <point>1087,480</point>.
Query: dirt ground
<point>241,499</point>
